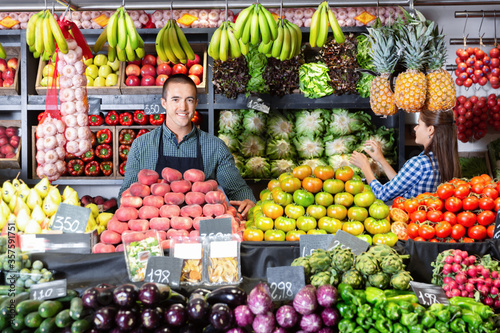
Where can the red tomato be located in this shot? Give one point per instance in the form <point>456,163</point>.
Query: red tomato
<point>453,204</point>
<point>435,216</point>
<point>443,229</point>
<point>399,202</point>
<point>498,186</point>
<point>470,203</point>
<point>486,203</point>
<point>426,231</point>
<point>324,172</point>
<point>419,239</point>
<point>490,230</point>
<point>476,180</point>
<point>491,193</point>
<point>344,173</point>
<point>497,204</point>
<point>412,230</point>
<point>302,171</point>
<point>467,219</point>
<point>467,240</point>
<point>462,191</point>
<point>486,217</point>
<point>312,184</point>
<point>411,205</point>
<point>450,217</point>
<point>457,231</point>
<point>418,216</point>
<point>434,240</point>
<point>486,178</point>
<point>451,241</point>
<point>434,203</point>
<point>478,188</point>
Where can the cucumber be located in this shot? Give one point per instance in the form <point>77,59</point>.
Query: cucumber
<point>70,294</point>
<point>33,319</point>
<point>12,302</point>
<point>17,322</point>
<point>63,319</point>
<point>7,290</point>
<point>8,330</point>
<point>82,325</point>
<point>28,306</point>
<point>76,308</point>
<point>49,308</point>
<point>3,322</point>
<point>48,325</point>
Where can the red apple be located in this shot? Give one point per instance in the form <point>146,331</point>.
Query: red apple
<point>132,80</point>
<point>4,140</point>
<point>195,79</point>
<point>8,82</point>
<point>137,62</point>
<point>9,73</point>
<point>159,62</point>
<point>149,59</point>
<point>197,70</point>
<point>148,70</point>
<point>196,60</point>
<point>14,141</point>
<point>163,69</point>
<point>12,63</point>
<point>148,80</point>
<point>160,79</point>
<point>132,69</point>
<point>2,130</point>
<point>3,65</point>
<point>179,69</point>
<point>10,131</point>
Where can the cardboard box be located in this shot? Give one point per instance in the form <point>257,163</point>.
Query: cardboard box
<point>12,52</point>
<point>14,162</point>
<point>59,242</point>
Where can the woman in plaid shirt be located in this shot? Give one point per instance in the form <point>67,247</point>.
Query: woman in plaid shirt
<point>423,173</point>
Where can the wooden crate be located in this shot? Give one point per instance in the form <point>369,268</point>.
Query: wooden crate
<point>12,52</point>
<point>14,162</point>
<point>200,49</point>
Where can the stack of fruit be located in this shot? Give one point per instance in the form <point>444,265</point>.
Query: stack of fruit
<point>9,141</point>
<point>22,273</point>
<point>474,66</point>
<point>8,71</point>
<point>471,116</point>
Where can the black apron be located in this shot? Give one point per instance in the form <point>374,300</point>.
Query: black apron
<point>179,163</point>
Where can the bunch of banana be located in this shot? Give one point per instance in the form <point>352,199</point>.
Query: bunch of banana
<point>3,54</point>
<point>123,40</point>
<point>255,23</point>
<point>43,34</point>
<point>172,45</point>
<point>224,45</point>
<point>319,26</point>
<point>288,43</point>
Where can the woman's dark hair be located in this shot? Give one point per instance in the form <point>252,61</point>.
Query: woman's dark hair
<point>443,143</point>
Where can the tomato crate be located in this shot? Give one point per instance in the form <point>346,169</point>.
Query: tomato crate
<point>13,89</point>
<point>13,162</point>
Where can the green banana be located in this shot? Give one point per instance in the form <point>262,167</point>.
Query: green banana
<point>224,44</point>
<point>214,46</point>
<point>139,40</point>
<point>245,35</point>
<point>122,31</point>
<point>285,49</point>
<point>323,27</point>
<point>174,42</point>
<point>167,46</point>
<point>101,40</point>
<point>160,48</point>
<point>293,40</point>
<point>278,42</point>
<point>31,27</point>
<point>254,28</point>
<point>111,53</point>
<point>271,23</point>
<point>39,47</point>
<point>140,53</point>
<point>242,21</point>
<point>58,35</point>
<point>299,37</point>
<point>184,43</point>
<point>314,28</point>
<point>3,54</point>
<point>245,48</point>
<point>233,43</point>
<point>129,51</point>
<point>121,54</point>
<point>131,31</point>
<point>266,48</point>
<point>334,24</point>
<point>48,39</point>
<point>112,29</point>
<point>265,32</point>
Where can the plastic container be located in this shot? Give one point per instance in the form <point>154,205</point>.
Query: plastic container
<point>223,259</point>
<point>190,250</point>
<point>139,246</point>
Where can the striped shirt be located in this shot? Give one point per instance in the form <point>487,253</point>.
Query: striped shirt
<point>417,176</point>
<point>217,160</point>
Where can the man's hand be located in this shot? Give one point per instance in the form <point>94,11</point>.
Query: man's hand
<point>243,206</point>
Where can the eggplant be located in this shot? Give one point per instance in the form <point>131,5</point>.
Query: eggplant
<point>105,295</point>
<point>153,293</point>
<point>330,316</point>
<point>236,330</point>
<point>230,295</point>
<point>151,318</point>
<point>137,330</point>
<point>66,329</point>
<point>259,300</point>
<point>105,285</point>
<point>116,330</point>
<point>326,330</point>
<point>197,309</point>
<point>93,330</point>
<point>176,315</point>
<point>125,295</point>
<point>126,319</point>
<point>211,329</point>
<point>311,322</point>
<point>221,317</point>
<point>104,318</point>
<point>199,292</point>
<point>264,323</point>
<point>164,329</point>
<point>243,315</point>
<point>190,328</point>
<point>89,298</point>
<point>174,298</point>
<point>286,316</point>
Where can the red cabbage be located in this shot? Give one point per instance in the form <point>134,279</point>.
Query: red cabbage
<point>305,301</point>
<point>286,316</point>
<point>263,323</point>
<point>311,322</point>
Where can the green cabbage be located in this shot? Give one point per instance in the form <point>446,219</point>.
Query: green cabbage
<point>344,122</point>
<point>252,145</point>
<point>340,145</point>
<point>281,166</point>
<point>280,149</point>
<point>257,167</point>
<point>279,127</point>
<point>314,162</point>
<point>308,147</point>
<point>385,138</point>
<point>314,80</point>
<point>254,121</point>
<point>240,162</point>
<point>231,142</point>
<point>310,123</point>
<point>230,121</point>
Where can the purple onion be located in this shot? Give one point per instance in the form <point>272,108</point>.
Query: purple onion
<point>286,316</point>
<point>327,295</point>
<point>330,316</point>
<point>311,322</point>
<point>326,330</point>
<point>236,330</point>
<point>280,330</point>
<point>259,300</point>
<point>305,301</point>
<point>263,323</point>
<point>243,315</point>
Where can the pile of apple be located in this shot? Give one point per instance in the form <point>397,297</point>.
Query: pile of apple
<point>7,71</point>
<point>152,71</point>
<point>475,66</point>
<point>494,111</point>
<point>471,117</point>
<point>173,206</point>
<point>9,141</point>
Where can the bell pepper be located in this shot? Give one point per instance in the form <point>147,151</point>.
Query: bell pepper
<point>429,319</point>
<point>455,309</point>
<point>346,326</point>
<point>75,167</point>
<point>436,307</point>
<point>140,118</point>
<point>104,136</point>
<point>409,319</point>
<point>372,330</point>
<point>111,118</point>
<point>360,295</point>
<point>418,309</point>
<point>346,310</point>
<point>93,139</point>
<point>88,156</point>
<point>432,330</point>
<point>393,311</point>
<point>444,315</point>
<point>406,307</point>
<point>127,136</point>
<point>156,119</point>
<point>92,169</point>
<point>197,120</point>
<point>441,326</point>
<point>95,120</point>
<point>365,310</point>
<point>418,328</point>
<point>377,313</point>
<point>364,322</point>
<point>122,167</point>
<point>457,325</point>
<point>106,168</point>
<point>383,325</point>
<point>141,132</point>
<point>126,119</point>
<point>359,329</point>
<point>407,297</point>
<point>123,151</point>
<point>473,321</point>
<point>398,328</point>
<point>346,292</point>
<point>69,156</point>
<point>104,151</point>
<point>484,311</point>
<point>375,296</point>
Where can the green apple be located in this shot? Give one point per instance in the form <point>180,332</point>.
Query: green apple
<point>104,71</point>
<point>43,81</point>
<point>100,59</point>
<point>111,80</point>
<point>115,65</point>
<point>88,62</point>
<point>92,71</point>
<point>90,81</point>
<point>99,82</point>
<point>48,70</point>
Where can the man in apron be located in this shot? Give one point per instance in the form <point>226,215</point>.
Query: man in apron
<point>178,144</point>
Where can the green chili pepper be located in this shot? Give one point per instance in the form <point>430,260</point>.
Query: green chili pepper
<point>436,307</point>
<point>347,326</point>
<point>444,315</point>
<point>432,330</point>
<point>441,326</point>
<point>418,309</point>
<point>429,319</point>
<point>375,296</point>
<point>365,310</point>
<point>457,325</point>
<point>412,298</point>
<point>473,321</point>
<point>383,325</point>
<point>346,310</point>
<point>409,319</point>
<point>347,294</point>
<point>365,322</point>
<point>419,328</point>
<point>398,328</point>
<point>359,329</point>
<point>393,311</point>
<point>470,304</point>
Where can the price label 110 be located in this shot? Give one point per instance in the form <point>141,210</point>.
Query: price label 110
<point>42,294</point>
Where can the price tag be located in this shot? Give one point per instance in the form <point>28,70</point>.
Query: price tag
<point>94,106</point>
<point>260,103</point>
<point>152,105</point>
<point>309,243</point>
<point>165,270</point>
<point>496,232</point>
<point>71,219</point>
<point>48,290</point>
<point>216,226</point>
<point>285,282</point>
<point>346,240</point>
<point>429,294</point>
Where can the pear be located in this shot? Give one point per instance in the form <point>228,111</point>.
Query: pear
<point>3,220</point>
<point>104,218</point>
<point>4,208</point>
<point>42,187</point>
<point>21,205</point>
<point>38,215</point>
<point>33,199</point>
<point>8,190</point>
<point>91,224</point>
<point>22,219</point>
<point>16,183</point>
<point>13,202</point>
<point>68,191</point>
<point>72,199</point>
<point>23,193</point>
<point>33,227</point>
<point>94,209</point>
<point>49,206</point>
<point>55,194</point>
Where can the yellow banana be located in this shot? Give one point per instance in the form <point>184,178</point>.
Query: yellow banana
<point>46,56</point>
<point>254,28</point>
<point>31,27</point>
<point>278,42</point>
<point>285,49</point>
<point>245,35</point>
<point>242,21</point>
<point>184,42</point>
<point>314,28</point>
<point>167,46</point>
<point>3,54</point>
<point>233,43</point>
<point>215,44</point>
<point>111,53</point>
<point>99,43</point>
<point>271,23</point>
<point>36,55</point>
<point>121,54</point>
<point>293,40</point>
<point>140,52</point>
<point>323,27</point>
<point>57,33</point>
<point>174,42</point>
<point>122,31</point>
<point>245,48</point>
<point>139,40</point>
<point>224,44</point>
<point>131,31</point>
<point>39,47</point>
<point>334,24</point>
<point>48,39</point>
<point>264,27</point>
<point>299,37</point>
<point>129,51</point>
<point>112,29</point>
<point>159,45</point>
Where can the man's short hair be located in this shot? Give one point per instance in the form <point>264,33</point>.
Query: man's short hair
<point>178,78</point>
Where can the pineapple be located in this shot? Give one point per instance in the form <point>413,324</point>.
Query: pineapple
<point>384,60</point>
<point>440,84</point>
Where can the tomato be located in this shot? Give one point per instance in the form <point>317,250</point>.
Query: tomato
<point>462,191</point>
<point>435,215</point>
<point>399,202</point>
<point>281,197</point>
<point>476,180</point>
<point>453,204</point>
<point>294,235</point>
<point>379,210</point>
<point>272,210</point>
<point>467,219</point>
<point>316,211</point>
<point>477,232</point>
<point>491,193</point>
<point>354,186</point>
<point>323,198</point>
<point>490,231</point>
<point>434,203</point>
<point>398,215</point>
<point>486,203</point>
<point>412,230</point>
<point>306,223</point>
<point>344,173</point>
<point>419,239</point>
<point>290,184</point>
<point>497,204</point>
<point>486,178</point>
<point>467,240</point>
<point>399,228</point>
<point>353,227</point>
<point>333,186</point>
<point>486,217</point>
<point>478,188</point>
<point>367,238</point>
<point>303,198</point>
<point>273,183</point>
<point>418,216</point>
<point>264,223</point>
<point>284,175</point>
<point>457,231</point>
<point>498,186</point>
<point>450,217</point>
<point>426,231</point>
<point>324,172</point>
<point>470,203</point>
<point>265,194</point>
<point>411,205</point>
<point>444,191</point>
<point>344,199</point>
<point>357,213</point>
<point>274,235</point>
<point>451,241</point>
<point>330,224</point>
<point>284,223</point>
<point>253,235</point>
<point>388,238</point>
<point>312,184</point>
<point>374,226</point>
<point>337,211</point>
<point>302,171</point>
<point>443,229</point>
<point>294,211</point>
<point>316,232</point>
<point>364,199</point>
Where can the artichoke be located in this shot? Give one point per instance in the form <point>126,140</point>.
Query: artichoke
<point>335,277</point>
<point>381,250</point>
<point>401,280</point>
<point>379,280</point>
<point>342,259</point>
<point>354,278</point>
<point>320,261</point>
<point>320,279</point>
<point>303,261</point>
<point>391,264</point>
<point>367,264</point>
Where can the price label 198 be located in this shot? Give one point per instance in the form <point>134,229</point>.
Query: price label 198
<point>158,276</point>
<point>165,270</point>
<point>429,294</point>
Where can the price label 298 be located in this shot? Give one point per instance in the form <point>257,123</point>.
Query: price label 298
<point>158,276</point>
<point>281,290</point>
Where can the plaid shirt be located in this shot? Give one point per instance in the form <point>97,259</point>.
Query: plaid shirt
<point>417,176</point>
<point>217,160</point>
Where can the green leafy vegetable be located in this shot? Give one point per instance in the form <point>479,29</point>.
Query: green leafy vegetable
<point>308,147</point>
<point>230,121</point>
<point>257,167</point>
<point>256,64</point>
<point>252,145</point>
<point>240,162</point>
<point>363,53</point>
<point>310,123</point>
<point>340,145</point>
<point>231,142</point>
<point>280,149</point>
<point>282,77</point>
<point>314,81</point>
<point>473,166</point>
<point>313,162</point>
<point>279,127</point>
<point>281,166</point>
<point>230,77</point>
<point>254,121</point>
<point>364,84</point>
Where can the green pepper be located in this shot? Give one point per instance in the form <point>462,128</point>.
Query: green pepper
<point>409,319</point>
<point>393,311</point>
<point>398,328</point>
<point>441,326</point>
<point>372,330</point>
<point>436,307</point>
<point>346,310</point>
<point>359,329</point>
<point>429,319</point>
<point>377,313</point>
<point>361,296</point>
<point>470,304</point>
<point>473,321</point>
<point>397,296</point>
<point>489,324</point>
<point>347,294</point>
<point>418,309</point>
<point>406,307</point>
<point>383,325</point>
<point>432,330</point>
<point>457,325</point>
<point>444,315</point>
<point>419,328</point>
<point>365,310</point>
<point>364,322</point>
<point>346,326</point>
<point>375,296</point>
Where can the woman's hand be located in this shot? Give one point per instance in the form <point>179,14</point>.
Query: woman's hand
<point>360,160</point>
<point>373,149</point>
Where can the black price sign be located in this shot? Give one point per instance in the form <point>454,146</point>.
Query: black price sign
<point>165,270</point>
<point>309,243</point>
<point>152,105</point>
<point>94,106</point>
<point>71,219</point>
<point>216,226</point>
<point>48,290</point>
<point>496,232</point>
<point>429,294</point>
<point>259,103</point>
<point>346,240</point>
<point>285,282</point>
